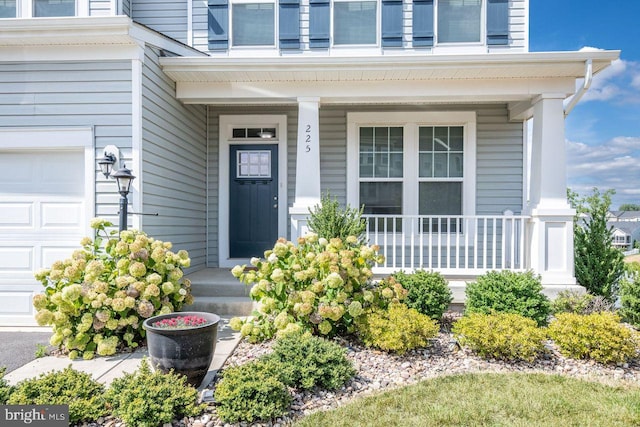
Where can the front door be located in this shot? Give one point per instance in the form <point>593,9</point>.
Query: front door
<point>253,199</point>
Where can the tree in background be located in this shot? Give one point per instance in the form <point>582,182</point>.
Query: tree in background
<point>598,265</point>
<point>629,207</point>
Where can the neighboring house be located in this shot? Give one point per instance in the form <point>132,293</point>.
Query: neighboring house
<point>235,115</point>
<point>626,228</point>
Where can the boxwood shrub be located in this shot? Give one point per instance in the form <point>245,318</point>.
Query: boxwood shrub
<point>508,292</point>
<point>428,292</point>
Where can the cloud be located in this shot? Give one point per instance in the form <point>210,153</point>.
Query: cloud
<point>618,83</point>
<point>613,164</point>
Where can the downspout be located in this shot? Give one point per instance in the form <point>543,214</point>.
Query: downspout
<point>588,78</point>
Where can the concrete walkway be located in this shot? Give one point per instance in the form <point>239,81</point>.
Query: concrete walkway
<point>105,369</point>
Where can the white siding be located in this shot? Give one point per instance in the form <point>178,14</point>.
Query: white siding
<point>100,7</point>
<point>166,16</point>
<point>174,154</point>
<point>97,94</point>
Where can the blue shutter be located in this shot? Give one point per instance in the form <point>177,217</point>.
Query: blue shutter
<point>218,24</point>
<point>497,22</point>
<point>319,23</point>
<point>422,23</point>
<point>289,24</point>
<point>391,23</point>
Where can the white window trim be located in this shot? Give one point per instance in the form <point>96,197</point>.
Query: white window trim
<point>258,49</point>
<point>457,45</point>
<point>24,8</point>
<point>411,121</point>
<point>352,47</point>
<point>227,123</point>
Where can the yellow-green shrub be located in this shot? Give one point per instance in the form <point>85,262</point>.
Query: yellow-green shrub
<point>396,329</point>
<point>597,336</point>
<point>506,336</point>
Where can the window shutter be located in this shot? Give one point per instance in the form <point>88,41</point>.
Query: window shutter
<point>498,22</point>
<point>422,23</point>
<point>289,24</point>
<point>391,23</point>
<point>319,23</point>
<point>218,24</point>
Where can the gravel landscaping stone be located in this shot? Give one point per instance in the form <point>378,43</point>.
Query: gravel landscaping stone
<point>379,371</point>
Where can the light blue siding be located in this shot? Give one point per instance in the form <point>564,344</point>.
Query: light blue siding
<point>166,16</point>
<point>174,153</point>
<point>98,94</point>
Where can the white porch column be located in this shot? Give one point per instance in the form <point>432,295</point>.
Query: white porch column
<point>551,227</point>
<point>307,165</point>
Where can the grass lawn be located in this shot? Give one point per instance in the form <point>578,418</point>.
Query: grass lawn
<point>491,400</point>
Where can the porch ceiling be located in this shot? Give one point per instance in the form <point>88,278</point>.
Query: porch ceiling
<point>453,78</point>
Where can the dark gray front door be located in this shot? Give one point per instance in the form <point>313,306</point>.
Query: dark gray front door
<point>253,198</point>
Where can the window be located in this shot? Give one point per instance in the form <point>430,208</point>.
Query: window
<point>253,24</point>
<point>412,164</point>
<point>355,22</point>
<point>48,8</point>
<point>459,21</point>
<point>8,8</point>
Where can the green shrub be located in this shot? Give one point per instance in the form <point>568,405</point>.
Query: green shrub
<point>428,292</point>
<point>148,399</point>
<point>508,292</point>
<point>98,298</point>
<point>506,336</point>
<point>630,297</point>
<point>319,286</point>
<point>83,394</point>
<point>597,336</point>
<point>328,220</point>
<point>251,392</point>
<point>5,388</point>
<point>305,361</point>
<point>396,329</point>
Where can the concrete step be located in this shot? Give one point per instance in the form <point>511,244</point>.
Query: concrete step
<point>222,305</point>
<point>236,289</point>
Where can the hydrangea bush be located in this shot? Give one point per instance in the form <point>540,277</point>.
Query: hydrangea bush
<point>318,285</point>
<point>97,299</point>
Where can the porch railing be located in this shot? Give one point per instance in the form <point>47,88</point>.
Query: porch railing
<point>450,244</point>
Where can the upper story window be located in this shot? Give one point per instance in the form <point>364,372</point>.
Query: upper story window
<point>8,8</point>
<point>253,23</point>
<point>37,8</point>
<point>459,21</point>
<point>355,22</point>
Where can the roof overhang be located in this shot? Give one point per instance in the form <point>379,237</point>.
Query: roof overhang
<point>505,77</point>
<point>31,34</point>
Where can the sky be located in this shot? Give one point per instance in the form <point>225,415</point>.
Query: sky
<point>603,130</point>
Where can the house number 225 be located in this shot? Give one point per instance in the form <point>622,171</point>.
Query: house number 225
<point>307,139</point>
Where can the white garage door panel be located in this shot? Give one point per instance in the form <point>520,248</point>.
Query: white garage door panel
<point>62,215</point>
<point>42,219</point>
<point>17,303</point>
<point>16,260</point>
<point>16,215</point>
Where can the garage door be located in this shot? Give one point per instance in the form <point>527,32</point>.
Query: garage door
<point>42,219</point>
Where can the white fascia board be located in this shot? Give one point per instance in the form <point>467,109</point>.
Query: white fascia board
<point>445,91</point>
<point>268,68</point>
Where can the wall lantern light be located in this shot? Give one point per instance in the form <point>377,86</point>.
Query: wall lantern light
<point>123,177</point>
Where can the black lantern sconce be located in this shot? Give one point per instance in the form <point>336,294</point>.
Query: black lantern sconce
<point>123,177</point>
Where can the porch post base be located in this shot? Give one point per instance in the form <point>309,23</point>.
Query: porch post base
<point>552,246</point>
<point>299,222</point>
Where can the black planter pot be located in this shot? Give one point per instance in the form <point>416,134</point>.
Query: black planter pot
<point>187,351</point>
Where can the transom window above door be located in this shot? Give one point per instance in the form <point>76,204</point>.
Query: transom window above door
<point>254,133</point>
